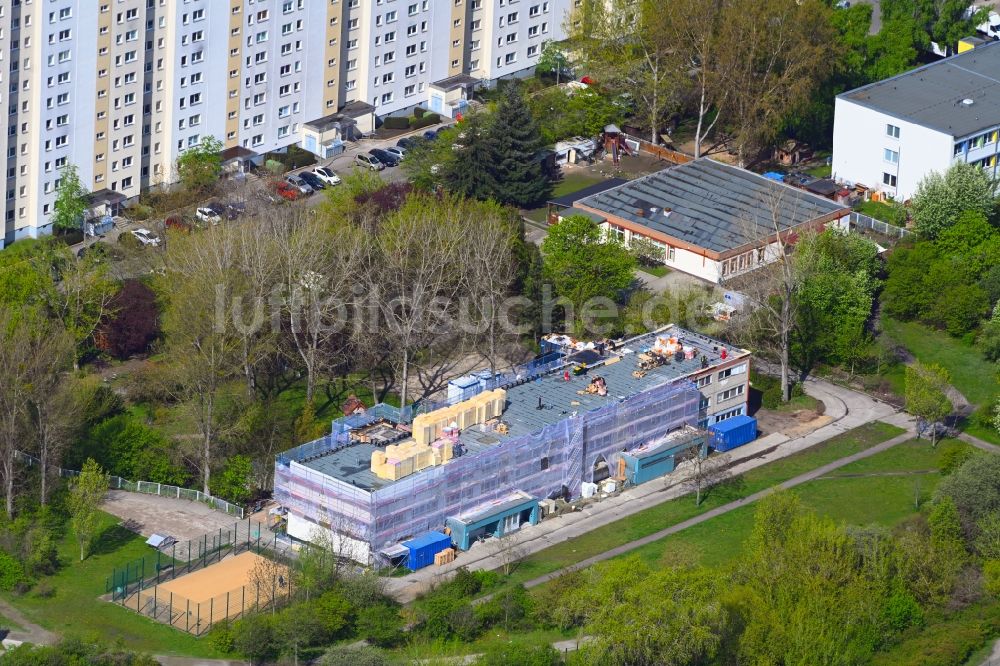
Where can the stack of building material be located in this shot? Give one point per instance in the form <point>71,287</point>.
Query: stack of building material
<point>446,556</point>
<point>478,409</point>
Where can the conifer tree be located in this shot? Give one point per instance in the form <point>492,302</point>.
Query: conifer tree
<point>471,174</point>
<point>515,139</point>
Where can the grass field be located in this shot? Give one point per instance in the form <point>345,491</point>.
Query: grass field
<point>656,271</point>
<point>971,374</point>
<point>672,512</point>
<point>571,182</point>
<point>76,609</point>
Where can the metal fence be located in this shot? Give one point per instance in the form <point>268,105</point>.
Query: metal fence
<point>265,590</point>
<point>184,557</point>
<point>146,487</point>
<point>892,231</point>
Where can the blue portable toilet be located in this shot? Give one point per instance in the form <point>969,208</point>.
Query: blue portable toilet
<point>424,547</point>
<point>734,432</point>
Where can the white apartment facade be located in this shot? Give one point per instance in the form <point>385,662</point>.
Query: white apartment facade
<point>889,135</point>
<point>120,88</point>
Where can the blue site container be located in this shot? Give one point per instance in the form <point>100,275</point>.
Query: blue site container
<point>734,432</point>
<point>424,547</point>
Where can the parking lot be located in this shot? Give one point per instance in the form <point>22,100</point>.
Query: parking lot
<point>246,190</point>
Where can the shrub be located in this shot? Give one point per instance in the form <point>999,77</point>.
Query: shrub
<point>902,611</point>
<point>425,121</point>
<point>379,624</point>
<point>45,590</point>
<point>221,636</point>
<point>354,656</point>
<point>12,574</point>
<point>140,211</point>
<point>991,577</point>
<point>396,122</point>
<point>419,112</point>
<point>134,324</point>
<point>953,456</point>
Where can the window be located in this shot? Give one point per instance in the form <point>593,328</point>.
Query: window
<point>735,370</point>
<point>386,98</point>
<point>891,156</point>
<point>509,58</point>
<point>889,179</point>
<point>544,463</point>
<point>411,70</point>
<point>730,394</point>
<point>409,90</point>
<point>892,130</point>
<point>704,381</point>
<point>533,50</point>
<point>729,414</point>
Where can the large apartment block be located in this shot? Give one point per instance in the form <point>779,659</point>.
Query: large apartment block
<point>889,135</point>
<point>119,88</point>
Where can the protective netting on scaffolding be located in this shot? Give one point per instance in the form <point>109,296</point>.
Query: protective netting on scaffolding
<point>554,461</point>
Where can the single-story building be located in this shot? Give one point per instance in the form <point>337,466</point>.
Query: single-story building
<point>450,97</point>
<point>712,220</point>
<point>238,159</point>
<point>325,137</point>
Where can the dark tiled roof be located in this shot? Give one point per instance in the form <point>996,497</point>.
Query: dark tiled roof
<point>711,205</point>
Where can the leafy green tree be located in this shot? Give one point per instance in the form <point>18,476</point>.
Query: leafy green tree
<point>941,198</point>
<point>86,493</point>
<point>235,483</point>
<point>926,394</point>
<point>379,624</point>
<point>583,265</point>
<point>298,627</point>
<point>974,490</point>
<point>516,654</point>
<point>71,199</point>
<point>520,179</point>
<point>988,540</point>
<point>257,637</point>
<point>553,60</point>
<point>130,449</point>
<point>199,167</point>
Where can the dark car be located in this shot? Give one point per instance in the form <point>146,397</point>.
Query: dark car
<point>430,135</point>
<point>384,156</point>
<point>312,180</point>
<point>408,142</point>
<point>220,210</point>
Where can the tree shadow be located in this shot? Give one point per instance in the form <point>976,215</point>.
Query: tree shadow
<point>730,489</point>
<point>112,539</point>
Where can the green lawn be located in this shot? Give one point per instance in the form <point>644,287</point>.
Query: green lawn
<point>76,609</point>
<point>672,512</point>
<point>571,182</point>
<point>971,374</point>
<point>656,271</point>
<point>821,171</point>
<point>843,496</point>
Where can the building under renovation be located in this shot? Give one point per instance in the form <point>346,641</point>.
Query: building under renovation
<point>479,464</point>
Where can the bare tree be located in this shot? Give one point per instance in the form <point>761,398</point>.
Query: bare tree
<point>508,552</point>
<point>414,278</point>
<point>775,51</point>
<point>771,288</point>
<point>622,42</point>
<point>269,580</point>
<point>320,270</point>
<point>52,409</point>
<point>703,472</point>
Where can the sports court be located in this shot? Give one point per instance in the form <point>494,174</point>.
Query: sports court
<point>195,601</point>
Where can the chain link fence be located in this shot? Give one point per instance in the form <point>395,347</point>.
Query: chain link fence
<point>145,487</point>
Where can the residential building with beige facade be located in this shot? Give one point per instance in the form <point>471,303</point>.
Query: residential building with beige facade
<point>120,88</point>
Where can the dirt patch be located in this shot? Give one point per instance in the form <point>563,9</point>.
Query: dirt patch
<point>152,514</point>
<point>790,424</point>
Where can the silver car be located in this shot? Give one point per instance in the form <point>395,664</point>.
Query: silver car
<point>369,162</point>
<point>299,183</point>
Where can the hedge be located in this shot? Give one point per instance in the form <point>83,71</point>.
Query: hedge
<point>396,122</point>
<point>418,112</point>
<point>425,120</point>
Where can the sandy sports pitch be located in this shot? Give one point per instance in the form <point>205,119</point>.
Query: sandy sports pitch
<point>228,575</point>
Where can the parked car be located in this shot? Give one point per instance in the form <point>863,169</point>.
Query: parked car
<point>327,175</point>
<point>146,237</point>
<point>397,151</point>
<point>208,215</point>
<point>178,224</point>
<point>384,156</point>
<point>313,181</point>
<point>302,185</point>
<point>368,161</point>
<point>430,135</point>
<point>234,209</point>
<point>407,142</point>
<point>287,191</point>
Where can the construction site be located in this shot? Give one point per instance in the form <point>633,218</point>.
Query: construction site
<point>411,486</point>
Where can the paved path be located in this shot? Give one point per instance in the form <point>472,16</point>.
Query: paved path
<point>847,409</point>
<point>30,632</point>
<point>725,508</point>
<point>978,443</point>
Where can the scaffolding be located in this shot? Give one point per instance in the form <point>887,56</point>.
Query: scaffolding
<point>552,462</point>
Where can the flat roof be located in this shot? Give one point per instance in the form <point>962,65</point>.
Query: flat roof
<point>932,95</point>
<point>352,463</point>
<point>348,112</point>
<point>711,205</point>
<point>453,82</point>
